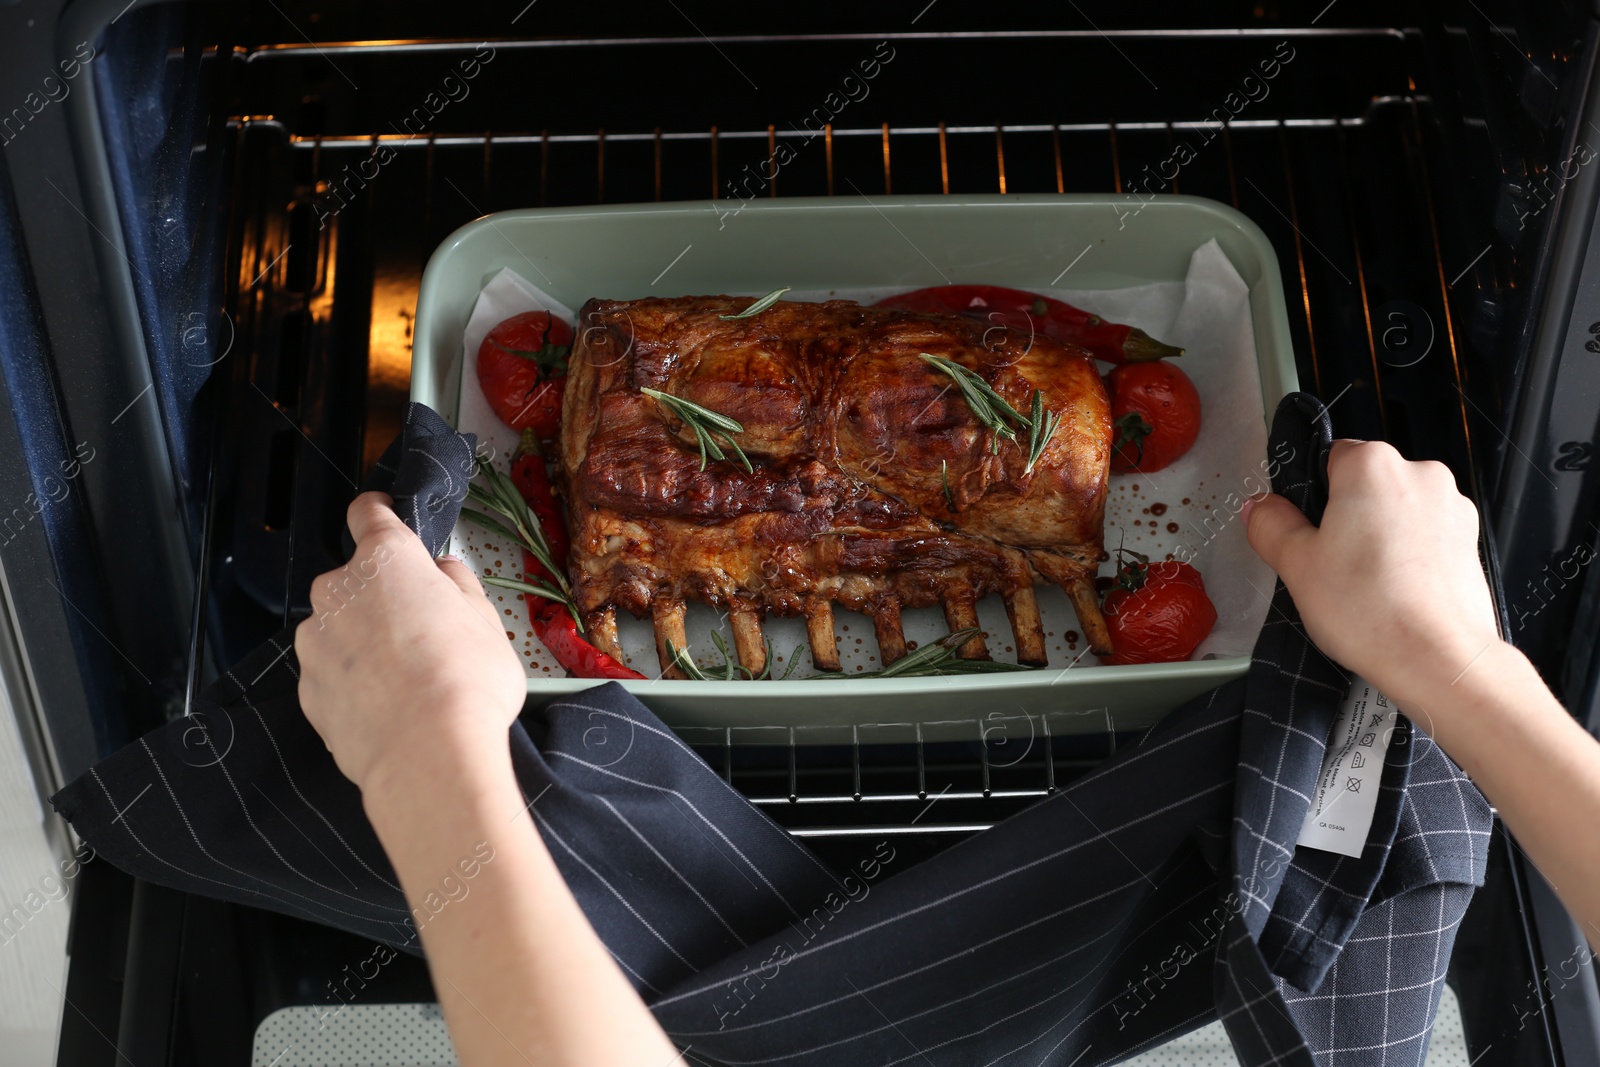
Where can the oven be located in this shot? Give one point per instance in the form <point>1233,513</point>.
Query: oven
<point>213,223</point>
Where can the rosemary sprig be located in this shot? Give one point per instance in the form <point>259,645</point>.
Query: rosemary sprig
<point>759,306</point>
<point>500,497</point>
<point>992,409</point>
<point>523,587</point>
<point>1044,426</point>
<point>938,657</point>
<point>681,659</point>
<point>944,478</point>
<point>728,670</point>
<point>707,425</point>
<point>988,406</point>
<point>935,658</point>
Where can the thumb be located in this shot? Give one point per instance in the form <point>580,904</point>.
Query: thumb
<point>371,515</point>
<point>461,575</point>
<point>1276,530</point>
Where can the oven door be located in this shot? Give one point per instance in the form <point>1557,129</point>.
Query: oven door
<point>200,359</point>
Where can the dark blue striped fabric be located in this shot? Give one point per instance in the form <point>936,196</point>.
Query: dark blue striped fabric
<point>1155,894</point>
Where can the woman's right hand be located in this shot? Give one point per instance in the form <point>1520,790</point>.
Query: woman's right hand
<point>1390,585</point>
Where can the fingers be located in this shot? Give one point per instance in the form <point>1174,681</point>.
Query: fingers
<point>1347,449</point>
<point>1276,528</point>
<point>462,578</point>
<point>1375,467</point>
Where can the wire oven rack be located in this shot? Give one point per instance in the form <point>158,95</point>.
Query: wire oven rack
<point>1349,202</point>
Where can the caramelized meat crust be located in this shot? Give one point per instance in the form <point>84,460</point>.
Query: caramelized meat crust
<point>874,486</point>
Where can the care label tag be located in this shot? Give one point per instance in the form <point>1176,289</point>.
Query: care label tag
<point>1347,789</point>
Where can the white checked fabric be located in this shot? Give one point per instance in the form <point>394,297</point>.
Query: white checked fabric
<point>1159,892</point>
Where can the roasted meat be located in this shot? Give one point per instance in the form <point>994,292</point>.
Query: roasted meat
<point>873,485</point>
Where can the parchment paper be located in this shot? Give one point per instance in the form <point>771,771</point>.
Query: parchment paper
<point>1189,510</point>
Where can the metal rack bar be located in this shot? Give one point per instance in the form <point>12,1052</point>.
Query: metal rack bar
<point>1300,262</point>
<point>292,50</point>
<point>427,203</point>
<point>827,141</point>
<point>404,141</point>
<point>1116,157</point>
<point>888,186</point>
<point>544,165</point>
<point>1049,758</point>
<point>903,798</point>
<point>1055,144</point>
<point>488,149</point>
<point>1419,157</point>
<point>983,756</point>
<point>772,161</point>
<point>1000,156</point>
<point>944,161</point>
<point>1233,176</point>
<point>922,767</point>
<point>298,462</point>
<point>1171,147</point>
<point>794,787</point>
<point>1348,188</point>
<point>855,761</point>
<point>890,828</point>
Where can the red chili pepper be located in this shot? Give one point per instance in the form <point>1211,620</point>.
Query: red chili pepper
<point>532,480</point>
<point>559,633</point>
<point>553,624</point>
<point>1112,342</point>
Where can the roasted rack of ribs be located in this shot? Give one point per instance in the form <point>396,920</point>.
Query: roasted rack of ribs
<point>874,485</point>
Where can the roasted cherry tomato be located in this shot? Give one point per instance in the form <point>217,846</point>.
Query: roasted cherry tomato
<point>1028,312</point>
<point>1158,612</point>
<point>522,366</point>
<point>1155,414</point>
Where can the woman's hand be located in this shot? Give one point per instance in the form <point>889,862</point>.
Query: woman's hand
<point>406,673</point>
<point>402,653</point>
<point>1390,585</point>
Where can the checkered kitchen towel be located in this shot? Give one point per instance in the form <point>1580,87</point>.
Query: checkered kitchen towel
<point>1158,892</point>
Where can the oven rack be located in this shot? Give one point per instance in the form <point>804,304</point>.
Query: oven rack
<point>579,162</point>
<point>798,772</point>
<point>446,178</point>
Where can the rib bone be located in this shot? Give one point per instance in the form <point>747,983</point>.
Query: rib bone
<point>886,624</point>
<point>747,640</point>
<point>1023,609</point>
<point>961,613</point>
<point>602,631</point>
<point>1087,604</point>
<point>667,614</point>
<point>819,631</point>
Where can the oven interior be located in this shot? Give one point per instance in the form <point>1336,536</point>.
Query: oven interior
<point>283,171</point>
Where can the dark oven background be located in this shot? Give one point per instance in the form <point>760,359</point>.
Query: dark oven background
<point>213,246</point>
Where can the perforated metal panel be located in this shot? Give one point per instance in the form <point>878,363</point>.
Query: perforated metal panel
<point>414,1035</point>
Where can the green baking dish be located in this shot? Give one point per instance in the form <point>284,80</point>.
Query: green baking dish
<point>842,243</point>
